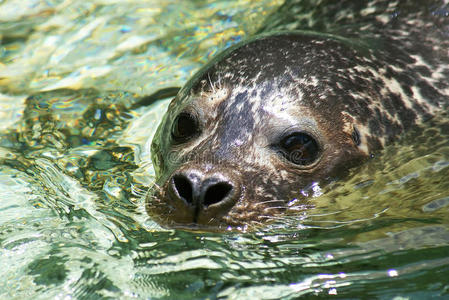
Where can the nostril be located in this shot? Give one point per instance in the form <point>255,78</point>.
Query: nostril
<point>216,193</point>
<point>198,192</point>
<point>184,188</point>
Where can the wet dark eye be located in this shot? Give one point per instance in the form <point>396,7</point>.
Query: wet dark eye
<point>300,148</point>
<point>184,127</point>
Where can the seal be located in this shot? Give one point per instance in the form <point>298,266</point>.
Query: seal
<point>283,111</point>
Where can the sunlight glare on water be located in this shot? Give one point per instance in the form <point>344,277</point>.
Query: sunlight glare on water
<point>75,165</point>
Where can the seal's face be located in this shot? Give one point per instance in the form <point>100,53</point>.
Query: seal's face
<point>253,128</point>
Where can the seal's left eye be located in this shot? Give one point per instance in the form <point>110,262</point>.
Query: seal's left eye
<point>300,148</point>
<point>184,127</point>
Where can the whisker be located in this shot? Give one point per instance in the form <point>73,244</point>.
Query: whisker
<point>326,214</point>
<point>268,201</point>
<point>219,81</point>
<point>138,191</point>
<point>271,217</point>
<point>210,82</point>
<point>275,208</point>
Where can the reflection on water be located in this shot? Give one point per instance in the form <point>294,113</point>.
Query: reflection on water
<point>74,165</point>
<point>135,46</point>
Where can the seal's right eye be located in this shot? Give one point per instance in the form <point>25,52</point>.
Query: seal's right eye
<point>184,127</point>
<point>300,148</point>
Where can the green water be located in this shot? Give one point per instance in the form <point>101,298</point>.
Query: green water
<point>74,166</point>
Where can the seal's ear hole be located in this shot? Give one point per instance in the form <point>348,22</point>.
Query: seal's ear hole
<point>300,148</point>
<point>184,127</point>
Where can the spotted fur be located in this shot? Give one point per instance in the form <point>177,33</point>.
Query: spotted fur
<point>355,76</point>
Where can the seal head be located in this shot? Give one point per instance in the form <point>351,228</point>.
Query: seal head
<point>260,123</point>
<point>273,116</point>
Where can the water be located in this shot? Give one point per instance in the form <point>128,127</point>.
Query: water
<point>74,165</point>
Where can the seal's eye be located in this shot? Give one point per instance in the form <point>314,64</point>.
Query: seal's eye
<point>184,127</point>
<point>300,148</point>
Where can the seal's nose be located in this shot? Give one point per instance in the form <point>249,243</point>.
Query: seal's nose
<point>203,195</point>
<point>195,192</point>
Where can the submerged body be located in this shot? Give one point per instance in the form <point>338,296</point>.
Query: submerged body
<point>275,114</point>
